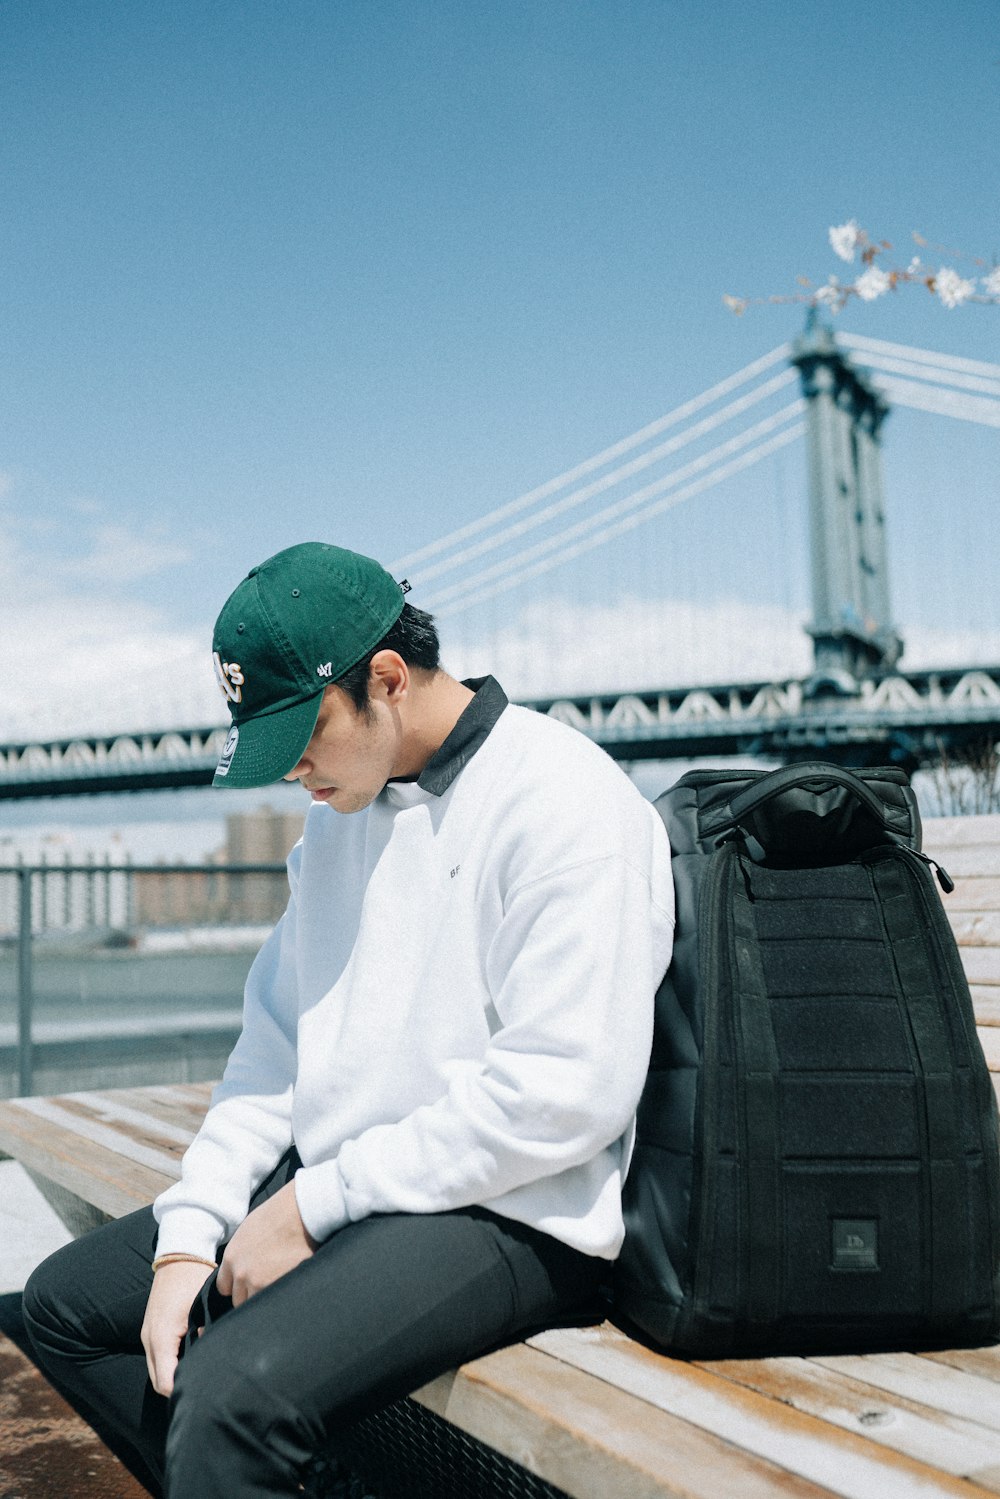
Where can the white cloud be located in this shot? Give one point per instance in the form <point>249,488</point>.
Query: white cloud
<point>929,647</point>
<point>557,646</point>
<point>118,555</point>
<point>74,664</point>
<point>74,658</point>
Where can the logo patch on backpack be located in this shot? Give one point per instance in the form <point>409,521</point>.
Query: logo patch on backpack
<point>855,1244</point>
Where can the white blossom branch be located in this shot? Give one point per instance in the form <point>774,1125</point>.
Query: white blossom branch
<point>852,243</point>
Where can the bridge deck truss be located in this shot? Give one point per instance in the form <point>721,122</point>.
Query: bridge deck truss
<point>898,718</point>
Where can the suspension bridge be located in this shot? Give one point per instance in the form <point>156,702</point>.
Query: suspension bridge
<point>856,705</point>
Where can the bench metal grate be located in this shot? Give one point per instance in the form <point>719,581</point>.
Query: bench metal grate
<point>406,1451</point>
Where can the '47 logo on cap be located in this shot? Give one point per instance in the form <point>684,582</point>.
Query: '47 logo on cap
<point>231,678</point>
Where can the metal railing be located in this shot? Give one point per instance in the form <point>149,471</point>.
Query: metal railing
<point>118,908</point>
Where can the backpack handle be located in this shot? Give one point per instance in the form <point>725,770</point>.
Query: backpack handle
<point>754,796</point>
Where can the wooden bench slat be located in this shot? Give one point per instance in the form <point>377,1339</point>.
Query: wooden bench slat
<point>975,860</point>
<point>973,894</point>
<point>123,1117</point>
<point>931,1436</point>
<point>982,1361</point>
<point>947,832</point>
<point>989,1037</point>
<point>95,1173</point>
<point>981,964</point>
<point>975,928</point>
<point>161,1101</point>
<point>986,1003</point>
<point>956,1391</point>
<point>163,1158</point>
<point>594,1441</point>
<point>849,1464</point>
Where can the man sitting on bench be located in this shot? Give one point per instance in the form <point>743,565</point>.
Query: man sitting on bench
<point>417,1149</point>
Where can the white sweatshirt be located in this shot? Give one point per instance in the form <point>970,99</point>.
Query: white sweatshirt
<point>455,1008</point>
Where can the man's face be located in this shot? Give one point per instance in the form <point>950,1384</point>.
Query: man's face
<point>350,755</point>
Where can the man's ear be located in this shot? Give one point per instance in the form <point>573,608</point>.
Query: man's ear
<point>388,677</point>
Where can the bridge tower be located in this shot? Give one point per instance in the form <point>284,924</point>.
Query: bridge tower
<point>851,626</point>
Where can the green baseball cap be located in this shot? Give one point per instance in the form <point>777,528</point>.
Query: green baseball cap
<point>293,626</point>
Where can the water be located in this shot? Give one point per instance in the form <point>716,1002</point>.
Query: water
<point>122,1018</point>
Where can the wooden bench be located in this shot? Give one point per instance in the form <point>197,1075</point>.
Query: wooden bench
<point>586,1409</point>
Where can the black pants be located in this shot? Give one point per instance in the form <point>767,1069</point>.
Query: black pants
<point>380,1308</point>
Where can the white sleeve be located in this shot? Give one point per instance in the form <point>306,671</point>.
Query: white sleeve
<point>572,971</point>
<point>248,1126</point>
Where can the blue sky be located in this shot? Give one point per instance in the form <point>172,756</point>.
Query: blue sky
<point>361,270</point>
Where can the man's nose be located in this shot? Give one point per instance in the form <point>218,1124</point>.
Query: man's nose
<point>296,771</point>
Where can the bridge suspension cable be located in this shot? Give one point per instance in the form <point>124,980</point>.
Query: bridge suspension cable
<point>862,345</point>
<point>941,401</point>
<point>968,389</point>
<point>624,515</point>
<point>942,384</point>
<point>978,383</point>
<point>589,465</point>
<point>608,481</point>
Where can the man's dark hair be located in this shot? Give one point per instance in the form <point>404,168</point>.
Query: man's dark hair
<point>413,636</point>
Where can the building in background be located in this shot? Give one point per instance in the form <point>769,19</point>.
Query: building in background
<point>196,897</point>
<point>107,896</point>
<point>209,898</point>
<point>263,836</point>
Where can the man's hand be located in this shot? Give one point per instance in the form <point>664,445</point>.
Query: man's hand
<point>175,1287</point>
<point>268,1243</point>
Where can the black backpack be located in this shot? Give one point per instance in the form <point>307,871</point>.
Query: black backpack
<point>817,1165</point>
